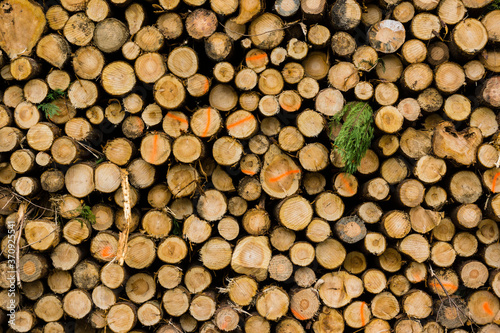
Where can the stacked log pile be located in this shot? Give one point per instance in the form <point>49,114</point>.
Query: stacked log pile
<point>173,166</point>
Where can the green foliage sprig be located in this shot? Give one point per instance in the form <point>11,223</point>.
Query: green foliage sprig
<point>177,228</point>
<point>49,108</point>
<point>494,5</point>
<point>86,213</point>
<point>356,133</point>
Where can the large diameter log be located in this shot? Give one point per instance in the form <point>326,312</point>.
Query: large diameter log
<point>339,288</point>
<point>252,256</point>
<point>266,31</point>
<point>41,234</point>
<point>469,37</point>
<point>54,49</point>
<point>16,16</point>
<point>458,146</point>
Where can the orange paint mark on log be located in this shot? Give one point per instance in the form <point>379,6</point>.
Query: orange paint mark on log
<point>155,147</point>
<point>179,119</point>
<point>362,314</point>
<point>256,57</point>
<point>106,251</point>
<point>283,175</point>
<point>494,183</point>
<point>487,309</point>
<point>298,315</point>
<point>206,86</point>
<point>447,285</point>
<point>224,324</point>
<point>208,123</point>
<point>239,122</point>
<point>346,183</point>
<point>248,172</point>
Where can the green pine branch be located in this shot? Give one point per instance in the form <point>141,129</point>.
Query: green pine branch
<point>48,107</point>
<point>356,133</point>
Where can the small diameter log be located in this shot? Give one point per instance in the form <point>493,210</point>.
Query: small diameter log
<point>59,282</point>
<point>399,284</point>
<point>79,180</point>
<point>176,301</point>
<point>226,318</point>
<point>56,17</point>
<point>417,303</point>
<point>350,229</point>
<point>386,36</point>
<point>343,76</point>
<point>140,288</point>
<point>110,34</point>
<point>86,275</point>
<point>403,325</point>
<point>452,312</point>
<point>394,170</point>
<point>423,220</point>
<point>396,224</point>
<point>487,231</point>
<point>384,306</point>
<point>24,321</point>
<point>329,206</point>
<point>465,244</point>
<point>103,297</point>
<point>150,67</point>
<point>376,189</point>
<point>389,68</point>
<point>77,303</point>
<point>41,234</point>
<point>374,281</point>
<point>280,268</point>
<point>104,246</point>
<point>355,262</point>
<point>22,160</point>
<point>365,58</point>
<point>141,252</point>
<point>77,231</point>
<point>390,260</point>
<point>121,317</point>
<point>256,221</point>
<point>202,306</point>
<point>295,213</point>
<point>330,253</point>
<point>65,256</point>
<point>282,238</point>
<point>467,215</point>
<point>415,143</point>
<point>442,254</point>
<point>49,308</point>
<point>416,247</point>
<point>474,274</point>
<point>280,175</point>
<point>216,254</point>
<point>150,313</point>
<point>149,39</point>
